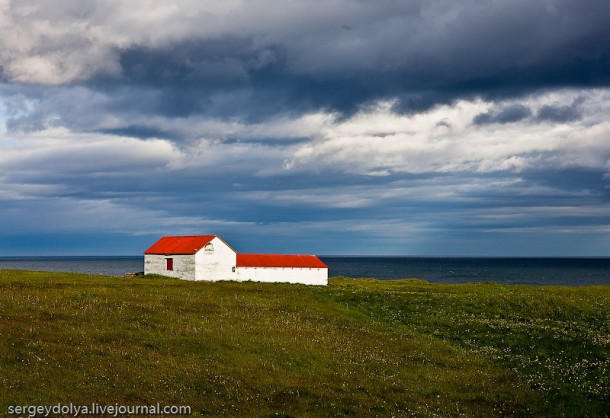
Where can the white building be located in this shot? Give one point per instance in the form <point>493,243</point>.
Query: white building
<point>209,257</point>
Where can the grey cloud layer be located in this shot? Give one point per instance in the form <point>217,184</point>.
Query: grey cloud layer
<point>233,57</point>
<point>410,124</point>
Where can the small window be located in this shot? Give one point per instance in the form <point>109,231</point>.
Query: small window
<point>209,248</point>
<point>169,264</point>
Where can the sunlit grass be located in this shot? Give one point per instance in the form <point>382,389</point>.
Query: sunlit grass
<point>356,347</point>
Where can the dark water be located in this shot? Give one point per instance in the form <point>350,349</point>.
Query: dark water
<point>535,271</point>
<point>108,266</point>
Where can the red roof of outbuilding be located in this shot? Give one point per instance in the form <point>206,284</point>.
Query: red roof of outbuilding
<point>180,245</point>
<point>275,260</point>
<point>192,244</point>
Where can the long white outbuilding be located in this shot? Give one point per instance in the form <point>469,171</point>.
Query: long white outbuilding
<point>209,257</point>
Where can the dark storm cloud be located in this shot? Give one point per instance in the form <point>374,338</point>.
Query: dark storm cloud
<point>491,49</point>
<point>517,45</point>
<point>137,132</point>
<point>419,54</point>
<point>559,113</point>
<point>233,77</point>
<point>227,61</point>
<point>510,114</point>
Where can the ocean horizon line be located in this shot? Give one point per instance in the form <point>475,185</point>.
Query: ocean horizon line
<point>335,256</point>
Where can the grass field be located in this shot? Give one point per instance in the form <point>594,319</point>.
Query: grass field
<point>356,347</point>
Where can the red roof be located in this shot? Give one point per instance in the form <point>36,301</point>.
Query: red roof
<point>275,260</point>
<point>180,245</point>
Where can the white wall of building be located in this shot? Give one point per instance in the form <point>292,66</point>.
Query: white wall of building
<point>216,262</point>
<point>310,276</point>
<point>184,265</point>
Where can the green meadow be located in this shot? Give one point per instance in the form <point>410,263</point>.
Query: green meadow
<point>355,347</point>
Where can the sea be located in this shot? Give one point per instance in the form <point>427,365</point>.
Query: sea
<point>505,270</point>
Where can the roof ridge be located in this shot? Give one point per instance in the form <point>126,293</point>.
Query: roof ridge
<point>189,236</point>
<point>180,244</point>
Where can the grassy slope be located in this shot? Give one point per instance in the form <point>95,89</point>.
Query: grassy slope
<point>363,347</point>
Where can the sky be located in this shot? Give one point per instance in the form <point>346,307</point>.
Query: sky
<point>342,127</point>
